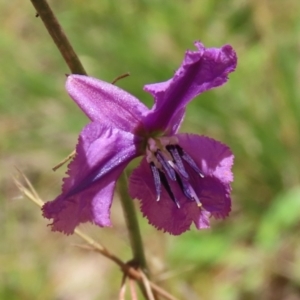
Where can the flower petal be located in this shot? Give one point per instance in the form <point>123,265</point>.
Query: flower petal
<point>91,205</point>
<point>213,191</point>
<point>214,158</point>
<point>214,196</point>
<point>200,71</point>
<point>215,161</point>
<point>101,155</point>
<point>163,214</point>
<point>106,103</point>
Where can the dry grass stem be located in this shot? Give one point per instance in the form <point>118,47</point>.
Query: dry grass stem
<point>69,157</point>
<point>133,292</point>
<point>123,288</point>
<point>147,286</point>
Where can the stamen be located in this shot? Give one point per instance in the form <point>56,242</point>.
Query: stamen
<point>184,187</point>
<point>176,156</point>
<point>188,191</point>
<point>157,181</point>
<point>190,161</point>
<point>168,161</point>
<point>166,166</point>
<point>166,185</point>
<point>195,197</point>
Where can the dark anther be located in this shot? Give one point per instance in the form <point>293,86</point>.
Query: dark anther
<point>169,170</point>
<point>190,161</point>
<point>184,187</point>
<point>178,161</point>
<point>166,185</point>
<point>157,181</point>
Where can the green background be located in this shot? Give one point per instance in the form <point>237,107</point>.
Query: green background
<point>253,254</point>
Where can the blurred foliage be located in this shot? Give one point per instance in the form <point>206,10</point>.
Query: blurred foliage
<point>255,253</point>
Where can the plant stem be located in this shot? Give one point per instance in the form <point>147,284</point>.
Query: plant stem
<point>60,39</point>
<point>132,225</point>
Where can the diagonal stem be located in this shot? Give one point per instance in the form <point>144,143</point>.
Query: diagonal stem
<point>60,39</point>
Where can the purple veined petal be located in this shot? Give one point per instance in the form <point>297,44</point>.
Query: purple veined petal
<point>106,103</point>
<point>212,157</point>
<point>201,218</point>
<point>215,161</point>
<point>213,191</point>
<point>200,71</point>
<point>163,214</point>
<point>101,155</point>
<point>92,205</point>
<point>157,89</point>
<point>175,122</point>
<point>213,195</point>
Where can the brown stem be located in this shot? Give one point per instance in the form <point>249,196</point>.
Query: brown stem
<point>60,39</point>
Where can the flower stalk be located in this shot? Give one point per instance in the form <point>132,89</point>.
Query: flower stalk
<point>132,225</point>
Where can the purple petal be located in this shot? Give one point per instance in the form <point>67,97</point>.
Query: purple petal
<point>101,155</point>
<point>215,161</point>
<point>175,121</point>
<point>214,196</point>
<point>92,205</point>
<point>200,71</point>
<point>212,157</point>
<point>162,214</point>
<point>106,103</point>
<point>201,218</point>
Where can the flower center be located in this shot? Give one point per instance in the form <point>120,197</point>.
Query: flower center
<point>167,161</point>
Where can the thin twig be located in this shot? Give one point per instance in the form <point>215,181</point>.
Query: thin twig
<point>147,286</point>
<point>132,286</point>
<point>120,77</point>
<point>123,288</point>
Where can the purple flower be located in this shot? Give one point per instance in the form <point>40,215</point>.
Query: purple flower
<point>182,178</point>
